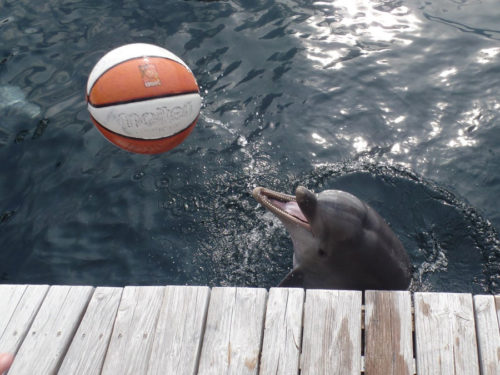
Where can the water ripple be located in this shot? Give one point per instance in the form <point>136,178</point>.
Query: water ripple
<point>394,100</point>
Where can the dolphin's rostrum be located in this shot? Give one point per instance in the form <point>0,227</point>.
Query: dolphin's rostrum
<point>339,241</point>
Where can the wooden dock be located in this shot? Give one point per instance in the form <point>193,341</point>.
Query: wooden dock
<point>197,330</point>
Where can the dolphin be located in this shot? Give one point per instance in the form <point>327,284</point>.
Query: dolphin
<point>339,241</point>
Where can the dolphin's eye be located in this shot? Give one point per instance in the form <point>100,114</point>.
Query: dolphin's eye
<point>321,253</point>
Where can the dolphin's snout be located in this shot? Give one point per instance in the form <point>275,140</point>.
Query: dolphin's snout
<point>256,192</point>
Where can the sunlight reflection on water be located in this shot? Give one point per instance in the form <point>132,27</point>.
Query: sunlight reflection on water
<point>357,27</point>
<point>487,55</point>
<point>344,30</point>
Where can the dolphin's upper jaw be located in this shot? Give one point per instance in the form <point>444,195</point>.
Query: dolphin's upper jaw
<point>282,205</point>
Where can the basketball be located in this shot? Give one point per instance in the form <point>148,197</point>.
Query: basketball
<point>143,98</point>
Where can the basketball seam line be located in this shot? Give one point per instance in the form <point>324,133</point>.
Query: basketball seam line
<point>145,139</point>
<point>142,99</point>
<point>132,58</point>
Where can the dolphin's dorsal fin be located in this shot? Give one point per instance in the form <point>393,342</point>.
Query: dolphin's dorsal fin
<point>294,279</point>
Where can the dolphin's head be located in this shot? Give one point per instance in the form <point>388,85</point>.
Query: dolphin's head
<point>338,240</point>
<point>316,222</point>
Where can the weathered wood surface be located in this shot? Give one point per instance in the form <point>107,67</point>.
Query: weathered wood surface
<point>51,331</point>
<point>133,333</point>
<point>488,334</point>
<point>195,330</point>
<point>332,333</point>
<point>282,332</point>
<point>18,306</point>
<point>388,333</point>
<point>179,332</point>
<point>445,334</point>
<point>233,332</point>
<point>86,353</point>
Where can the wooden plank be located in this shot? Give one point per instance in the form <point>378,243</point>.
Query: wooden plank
<point>488,334</point>
<point>10,295</point>
<point>445,334</point>
<point>20,303</point>
<point>52,330</point>
<point>282,332</point>
<point>87,350</point>
<point>233,332</point>
<point>497,304</point>
<point>331,342</point>
<point>179,332</point>
<point>133,333</point>
<point>388,333</point>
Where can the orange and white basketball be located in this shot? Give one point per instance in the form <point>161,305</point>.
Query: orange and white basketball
<point>143,98</point>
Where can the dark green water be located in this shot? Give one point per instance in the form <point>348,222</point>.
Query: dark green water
<point>395,101</point>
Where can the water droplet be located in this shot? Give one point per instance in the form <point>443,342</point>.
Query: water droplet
<point>138,175</point>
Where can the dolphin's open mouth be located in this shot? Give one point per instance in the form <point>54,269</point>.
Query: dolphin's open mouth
<point>282,205</point>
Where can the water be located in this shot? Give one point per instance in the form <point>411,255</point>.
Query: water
<point>394,101</point>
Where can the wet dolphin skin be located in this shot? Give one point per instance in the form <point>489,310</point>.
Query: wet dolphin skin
<point>339,241</point>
